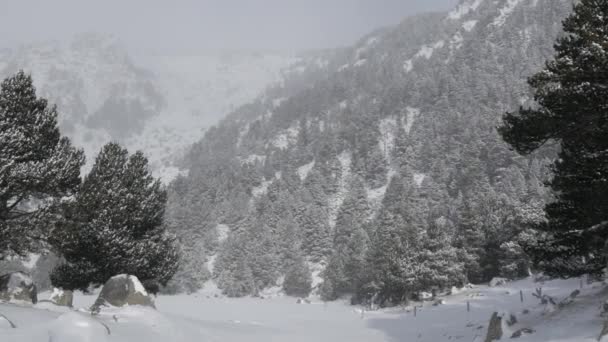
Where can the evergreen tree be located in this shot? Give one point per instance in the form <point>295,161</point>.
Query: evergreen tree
<point>572,97</point>
<point>298,279</point>
<point>115,225</point>
<point>37,166</point>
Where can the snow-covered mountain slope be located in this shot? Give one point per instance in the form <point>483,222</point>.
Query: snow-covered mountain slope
<point>159,104</point>
<point>203,317</point>
<point>417,104</point>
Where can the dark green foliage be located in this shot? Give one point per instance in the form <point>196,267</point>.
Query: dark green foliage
<point>571,93</point>
<point>114,225</point>
<point>298,280</point>
<point>37,166</point>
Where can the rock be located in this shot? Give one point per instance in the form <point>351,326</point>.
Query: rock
<point>18,286</point>
<point>525,312</point>
<point>496,281</point>
<point>302,301</point>
<point>512,320</point>
<point>523,331</point>
<point>495,328</point>
<point>62,297</point>
<point>604,331</point>
<point>439,302</point>
<point>123,290</point>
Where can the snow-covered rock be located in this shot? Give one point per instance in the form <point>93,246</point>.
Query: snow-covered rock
<point>497,281</point>
<point>62,297</point>
<point>19,287</point>
<point>123,290</point>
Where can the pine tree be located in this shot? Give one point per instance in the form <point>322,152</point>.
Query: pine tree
<point>298,279</point>
<point>572,97</point>
<point>115,225</point>
<point>38,166</point>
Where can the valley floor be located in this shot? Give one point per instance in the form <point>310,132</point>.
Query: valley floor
<point>203,317</point>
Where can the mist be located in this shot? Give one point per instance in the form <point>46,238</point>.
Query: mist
<point>188,25</point>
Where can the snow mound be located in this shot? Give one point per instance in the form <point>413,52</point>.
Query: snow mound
<point>78,327</point>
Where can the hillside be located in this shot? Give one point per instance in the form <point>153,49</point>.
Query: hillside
<point>158,104</point>
<point>387,144</point>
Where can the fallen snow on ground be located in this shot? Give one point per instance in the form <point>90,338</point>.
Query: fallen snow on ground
<point>205,317</point>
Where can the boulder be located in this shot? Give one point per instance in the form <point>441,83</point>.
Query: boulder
<point>523,331</point>
<point>496,281</point>
<point>123,290</point>
<point>495,328</point>
<point>62,297</point>
<point>18,286</point>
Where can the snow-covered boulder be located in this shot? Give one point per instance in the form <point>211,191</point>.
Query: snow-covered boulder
<point>62,297</point>
<point>496,281</point>
<point>18,286</point>
<point>78,327</point>
<point>123,290</point>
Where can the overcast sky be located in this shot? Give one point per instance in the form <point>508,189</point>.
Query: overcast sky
<point>182,25</point>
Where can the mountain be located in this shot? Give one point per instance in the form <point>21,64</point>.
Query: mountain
<point>373,159</point>
<point>158,104</point>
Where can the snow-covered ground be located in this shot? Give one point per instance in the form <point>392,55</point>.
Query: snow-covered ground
<point>205,317</point>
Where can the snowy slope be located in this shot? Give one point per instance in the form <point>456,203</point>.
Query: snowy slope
<point>159,104</point>
<point>205,318</point>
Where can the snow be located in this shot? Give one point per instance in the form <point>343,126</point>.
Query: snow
<point>261,189</point>
<point>205,317</point>
<point>469,25</point>
<point>505,12</point>
<point>252,159</point>
<point>411,114</point>
<point>343,104</point>
<point>375,196</point>
<point>426,51</point>
<point>222,232</point>
<point>419,179</point>
<point>456,42</point>
<point>304,170</point>
<point>408,65</point>
<point>360,62</point>
<point>336,200</point>
<point>283,139</point>
<point>388,130</point>
<point>31,261</point>
<point>139,288</point>
<point>464,8</point>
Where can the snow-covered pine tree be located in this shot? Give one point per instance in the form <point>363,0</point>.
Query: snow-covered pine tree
<point>571,93</point>
<point>298,279</point>
<point>114,225</point>
<point>38,166</point>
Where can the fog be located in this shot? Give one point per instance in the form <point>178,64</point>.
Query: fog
<point>187,25</point>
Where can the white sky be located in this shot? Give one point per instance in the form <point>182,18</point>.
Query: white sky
<point>182,25</point>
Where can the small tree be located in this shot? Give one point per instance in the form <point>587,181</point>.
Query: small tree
<point>38,167</point>
<point>115,225</point>
<point>298,280</point>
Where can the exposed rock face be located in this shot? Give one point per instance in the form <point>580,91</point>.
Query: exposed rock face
<point>123,290</point>
<point>62,297</point>
<point>495,328</point>
<point>18,286</point>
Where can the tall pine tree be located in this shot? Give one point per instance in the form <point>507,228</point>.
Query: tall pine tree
<point>115,225</point>
<point>572,97</point>
<point>37,166</point>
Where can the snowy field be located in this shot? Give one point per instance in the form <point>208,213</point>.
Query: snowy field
<point>202,317</point>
